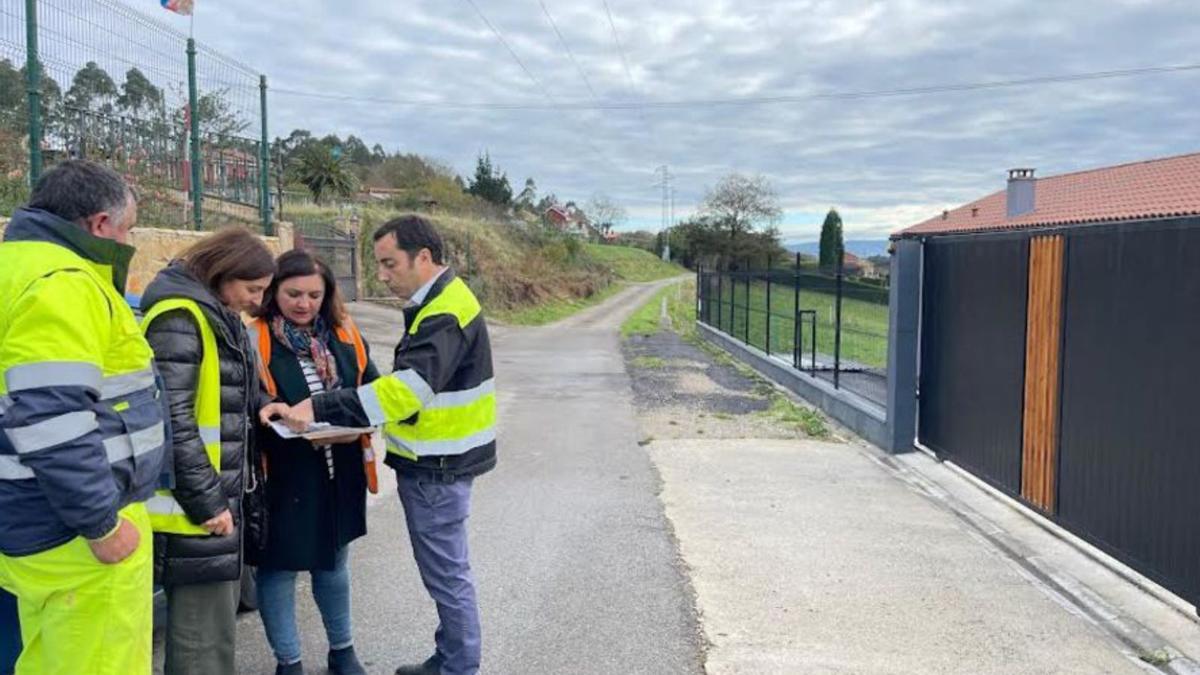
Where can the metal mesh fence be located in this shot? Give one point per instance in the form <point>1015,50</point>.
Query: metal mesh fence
<point>115,89</point>
<point>831,324</point>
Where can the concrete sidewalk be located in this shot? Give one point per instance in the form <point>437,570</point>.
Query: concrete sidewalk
<point>812,557</point>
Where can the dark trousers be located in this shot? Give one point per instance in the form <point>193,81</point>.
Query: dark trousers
<point>436,514</point>
<point>10,633</point>
<point>201,628</point>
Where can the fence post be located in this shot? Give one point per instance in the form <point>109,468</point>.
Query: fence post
<point>769,275</point>
<point>264,162</point>
<point>33,82</point>
<point>746,311</point>
<point>732,303</point>
<point>837,335</point>
<point>797,336</point>
<point>720,295</point>
<point>124,152</point>
<point>194,118</point>
<point>222,183</point>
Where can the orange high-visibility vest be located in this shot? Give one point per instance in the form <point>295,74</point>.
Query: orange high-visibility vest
<point>347,333</point>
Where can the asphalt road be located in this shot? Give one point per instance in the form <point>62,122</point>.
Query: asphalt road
<point>576,563</point>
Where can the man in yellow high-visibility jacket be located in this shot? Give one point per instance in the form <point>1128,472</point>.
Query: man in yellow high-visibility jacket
<point>438,411</point>
<point>81,430</point>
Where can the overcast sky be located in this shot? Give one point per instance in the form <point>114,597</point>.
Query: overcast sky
<point>884,162</point>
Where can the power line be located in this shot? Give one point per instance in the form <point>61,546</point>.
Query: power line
<point>570,54</point>
<point>759,100</point>
<point>620,48</point>
<point>511,53</point>
<point>541,87</point>
<point>633,91</point>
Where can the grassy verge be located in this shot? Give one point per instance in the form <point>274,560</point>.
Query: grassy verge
<point>633,264</point>
<point>786,411</point>
<point>681,309</point>
<point>554,310</point>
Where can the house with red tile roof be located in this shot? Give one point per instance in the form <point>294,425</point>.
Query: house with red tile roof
<point>570,220</point>
<point>1147,190</point>
<point>1043,338</point>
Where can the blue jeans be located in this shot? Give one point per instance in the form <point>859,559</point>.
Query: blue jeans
<point>277,607</point>
<point>436,514</point>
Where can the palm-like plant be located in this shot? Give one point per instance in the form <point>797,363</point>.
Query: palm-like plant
<point>325,173</point>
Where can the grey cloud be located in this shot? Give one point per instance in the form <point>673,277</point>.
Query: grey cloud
<point>879,159</point>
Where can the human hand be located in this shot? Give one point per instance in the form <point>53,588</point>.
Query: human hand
<point>118,545</point>
<point>299,417</point>
<point>220,525</point>
<point>272,410</point>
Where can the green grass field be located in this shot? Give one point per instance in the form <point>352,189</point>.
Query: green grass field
<point>864,324</point>
<point>633,264</point>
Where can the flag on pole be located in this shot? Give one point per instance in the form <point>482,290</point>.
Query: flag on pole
<point>178,6</point>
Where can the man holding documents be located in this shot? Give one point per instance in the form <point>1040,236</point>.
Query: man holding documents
<point>438,411</point>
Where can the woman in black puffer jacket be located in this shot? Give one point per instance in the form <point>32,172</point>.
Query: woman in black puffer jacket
<point>200,567</point>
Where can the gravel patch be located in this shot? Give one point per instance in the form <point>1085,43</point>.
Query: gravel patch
<point>681,392</point>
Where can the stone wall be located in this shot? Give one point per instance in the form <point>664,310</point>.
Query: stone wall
<point>157,247</point>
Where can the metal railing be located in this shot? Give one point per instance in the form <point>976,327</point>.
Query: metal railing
<point>96,79</point>
<point>831,324</point>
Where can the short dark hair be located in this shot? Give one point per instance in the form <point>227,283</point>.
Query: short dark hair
<point>414,233</point>
<point>232,253</point>
<point>300,263</point>
<point>77,189</point>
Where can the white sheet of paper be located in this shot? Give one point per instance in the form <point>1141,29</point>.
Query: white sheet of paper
<point>318,431</point>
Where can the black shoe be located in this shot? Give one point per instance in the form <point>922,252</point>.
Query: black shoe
<point>432,666</point>
<point>345,662</point>
<point>296,668</point>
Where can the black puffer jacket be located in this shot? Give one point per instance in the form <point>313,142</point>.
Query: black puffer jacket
<point>176,341</point>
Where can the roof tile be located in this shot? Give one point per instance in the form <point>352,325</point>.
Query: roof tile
<point>1155,188</point>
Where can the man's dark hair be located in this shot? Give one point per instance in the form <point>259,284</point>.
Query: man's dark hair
<point>76,189</point>
<point>414,233</point>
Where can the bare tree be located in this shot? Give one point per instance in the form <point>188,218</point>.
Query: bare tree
<point>740,202</point>
<point>605,213</point>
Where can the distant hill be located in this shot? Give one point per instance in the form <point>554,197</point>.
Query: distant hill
<point>863,248</point>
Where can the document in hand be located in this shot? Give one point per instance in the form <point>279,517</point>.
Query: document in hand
<point>319,431</point>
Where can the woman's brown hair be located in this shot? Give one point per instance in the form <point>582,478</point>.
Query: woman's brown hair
<point>232,253</point>
<point>301,263</point>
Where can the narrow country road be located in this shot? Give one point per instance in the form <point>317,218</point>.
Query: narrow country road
<point>575,561</point>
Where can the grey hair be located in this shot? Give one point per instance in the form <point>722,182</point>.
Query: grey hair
<point>77,189</point>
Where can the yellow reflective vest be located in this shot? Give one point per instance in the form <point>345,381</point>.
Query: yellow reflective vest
<point>438,406</point>
<point>166,514</point>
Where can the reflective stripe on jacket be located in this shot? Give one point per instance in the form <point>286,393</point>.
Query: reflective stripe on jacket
<point>82,429</point>
<point>438,406</point>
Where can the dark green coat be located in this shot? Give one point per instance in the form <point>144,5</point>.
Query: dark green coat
<point>311,516</point>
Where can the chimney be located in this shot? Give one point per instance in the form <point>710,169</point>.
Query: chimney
<point>1022,192</point>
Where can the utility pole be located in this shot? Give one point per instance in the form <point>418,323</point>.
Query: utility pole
<point>670,227</point>
<point>668,208</point>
